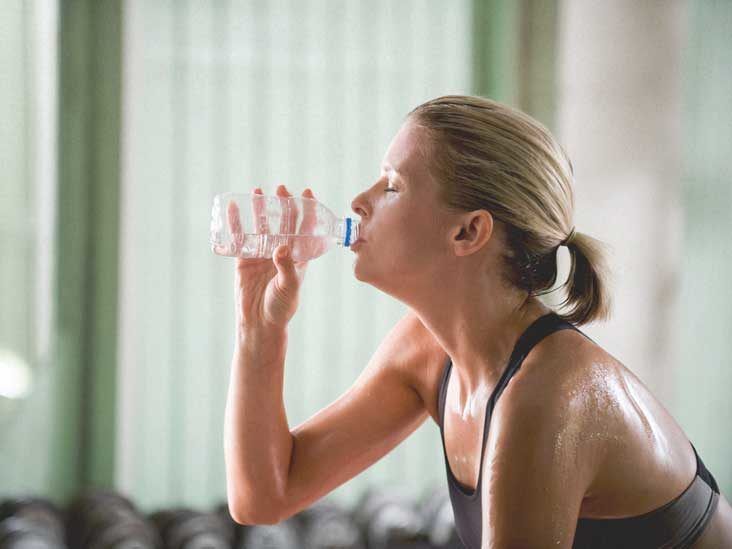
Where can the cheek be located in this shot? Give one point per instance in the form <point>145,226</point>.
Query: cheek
<point>400,253</point>
<point>406,239</point>
<point>427,237</point>
<point>419,247</point>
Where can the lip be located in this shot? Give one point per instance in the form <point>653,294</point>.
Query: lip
<point>358,242</point>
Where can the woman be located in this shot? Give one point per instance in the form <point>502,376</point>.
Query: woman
<point>548,440</point>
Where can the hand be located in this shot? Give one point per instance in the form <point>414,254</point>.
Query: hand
<point>267,290</point>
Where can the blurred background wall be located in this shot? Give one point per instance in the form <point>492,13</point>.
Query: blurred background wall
<point>121,120</point>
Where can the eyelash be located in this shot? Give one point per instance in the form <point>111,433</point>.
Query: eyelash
<point>388,190</point>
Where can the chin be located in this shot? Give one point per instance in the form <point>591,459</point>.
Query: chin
<point>379,282</point>
<point>363,270</point>
<point>358,270</point>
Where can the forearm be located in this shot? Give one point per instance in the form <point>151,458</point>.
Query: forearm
<point>257,439</point>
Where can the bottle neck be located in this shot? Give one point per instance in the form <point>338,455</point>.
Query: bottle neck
<point>348,231</point>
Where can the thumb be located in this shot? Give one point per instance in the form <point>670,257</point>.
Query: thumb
<point>286,276</point>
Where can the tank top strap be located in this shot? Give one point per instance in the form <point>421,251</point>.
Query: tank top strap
<point>703,472</point>
<point>537,330</point>
<point>442,394</point>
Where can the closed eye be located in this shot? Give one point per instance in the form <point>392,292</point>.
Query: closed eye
<point>389,190</point>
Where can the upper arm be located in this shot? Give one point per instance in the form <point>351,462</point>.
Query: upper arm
<point>377,412</point>
<point>536,472</point>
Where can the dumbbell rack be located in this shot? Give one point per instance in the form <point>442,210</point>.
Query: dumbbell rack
<point>105,519</point>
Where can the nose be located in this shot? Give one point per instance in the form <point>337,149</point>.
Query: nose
<point>358,205</point>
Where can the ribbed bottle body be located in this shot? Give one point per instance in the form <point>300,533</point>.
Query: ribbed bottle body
<point>251,225</point>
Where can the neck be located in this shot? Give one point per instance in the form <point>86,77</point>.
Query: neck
<point>478,330</point>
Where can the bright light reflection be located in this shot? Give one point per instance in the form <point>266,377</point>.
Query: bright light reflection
<point>15,375</point>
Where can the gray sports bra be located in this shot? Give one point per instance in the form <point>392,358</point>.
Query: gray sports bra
<point>676,524</point>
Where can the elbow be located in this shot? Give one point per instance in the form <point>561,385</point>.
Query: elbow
<point>246,517</point>
<point>238,516</point>
<point>258,513</point>
<point>255,520</point>
<point>263,506</point>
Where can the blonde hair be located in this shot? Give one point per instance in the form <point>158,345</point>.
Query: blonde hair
<point>487,155</point>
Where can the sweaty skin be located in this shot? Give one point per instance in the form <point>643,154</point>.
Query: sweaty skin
<point>645,458</point>
<point>611,432</point>
<point>601,443</point>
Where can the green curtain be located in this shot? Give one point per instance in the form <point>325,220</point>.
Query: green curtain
<point>703,381</point>
<point>219,96</point>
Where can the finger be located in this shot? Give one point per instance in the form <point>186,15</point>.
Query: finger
<point>288,219</point>
<point>259,207</point>
<point>234,221</point>
<point>232,217</point>
<point>308,218</point>
<point>283,195</point>
<point>300,268</point>
<point>287,277</point>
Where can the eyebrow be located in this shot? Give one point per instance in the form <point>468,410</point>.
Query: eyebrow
<point>399,175</point>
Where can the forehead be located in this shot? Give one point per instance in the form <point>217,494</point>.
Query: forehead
<point>404,153</point>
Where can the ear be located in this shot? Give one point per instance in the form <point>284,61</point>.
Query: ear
<point>472,233</point>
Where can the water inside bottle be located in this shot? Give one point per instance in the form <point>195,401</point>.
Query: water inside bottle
<point>263,245</point>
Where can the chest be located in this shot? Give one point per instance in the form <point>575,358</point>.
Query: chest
<point>464,414</point>
<point>464,440</point>
<point>660,462</point>
<point>466,423</point>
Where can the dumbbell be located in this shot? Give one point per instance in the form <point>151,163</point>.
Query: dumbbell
<point>284,535</point>
<point>326,525</point>
<point>22,533</point>
<point>113,527</point>
<point>439,520</point>
<point>32,518</point>
<point>188,529</point>
<point>390,520</point>
<point>235,529</point>
<point>103,519</point>
<point>81,506</point>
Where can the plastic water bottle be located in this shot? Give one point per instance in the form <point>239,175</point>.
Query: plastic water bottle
<point>252,225</point>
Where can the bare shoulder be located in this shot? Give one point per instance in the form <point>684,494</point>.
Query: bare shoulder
<point>638,457</point>
<point>561,372</point>
<point>551,396</point>
<point>423,359</point>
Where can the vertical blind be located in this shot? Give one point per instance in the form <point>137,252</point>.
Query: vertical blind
<point>233,94</point>
<point>27,218</point>
<point>230,95</point>
<point>703,383</point>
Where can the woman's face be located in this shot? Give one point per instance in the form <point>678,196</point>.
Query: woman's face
<point>403,225</point>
